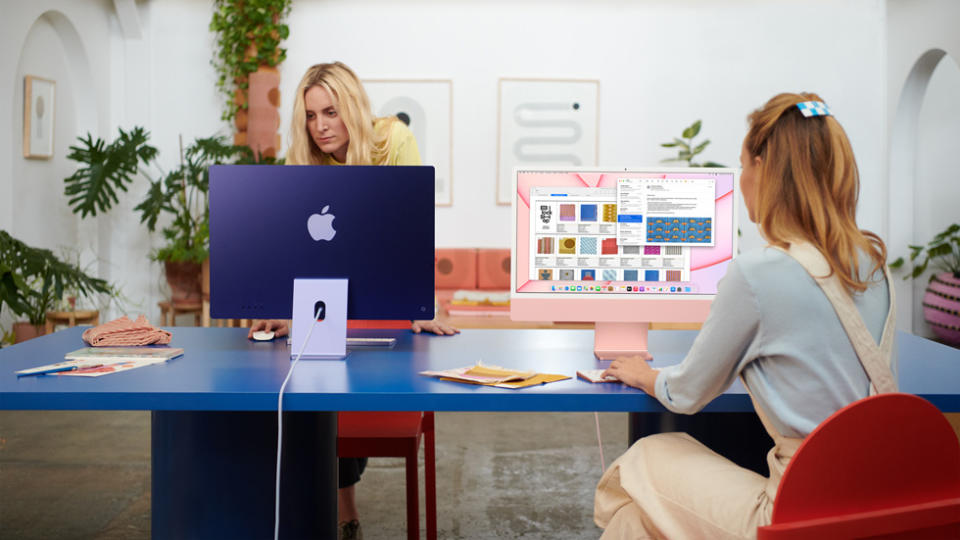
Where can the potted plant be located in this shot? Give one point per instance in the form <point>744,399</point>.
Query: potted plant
<point>33,281</point>
<point>687,150</point>
<point>941,303</point>
<point>181,195</point>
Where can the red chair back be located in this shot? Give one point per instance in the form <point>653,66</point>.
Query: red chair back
<point>887,465</point>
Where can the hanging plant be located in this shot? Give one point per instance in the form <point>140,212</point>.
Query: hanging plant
<point>248,33</point>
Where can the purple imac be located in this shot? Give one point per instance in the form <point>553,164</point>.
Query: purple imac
<point>373,225</point>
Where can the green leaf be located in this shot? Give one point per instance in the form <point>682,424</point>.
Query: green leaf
<point>105,169</point>
<point>897,263</point>
<point>692,131</point>
<point>668,144</point>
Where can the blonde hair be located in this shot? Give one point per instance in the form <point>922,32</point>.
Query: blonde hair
<point>808,186</point>
<point>367,145</point>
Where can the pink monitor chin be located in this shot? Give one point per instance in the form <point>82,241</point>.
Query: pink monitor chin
<point>621,324</point>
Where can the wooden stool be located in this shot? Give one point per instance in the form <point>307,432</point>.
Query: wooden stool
<point>72,318</point>
<point>169,312</point>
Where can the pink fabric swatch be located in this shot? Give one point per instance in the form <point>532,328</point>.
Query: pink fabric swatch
<point>123,332</point>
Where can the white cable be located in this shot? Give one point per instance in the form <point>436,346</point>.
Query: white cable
<point>603,466</point>
<point>276,498</point>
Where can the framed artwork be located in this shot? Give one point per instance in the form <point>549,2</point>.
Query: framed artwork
<point>545,122</point>
<point>38,109</point>
<point>426,106</point>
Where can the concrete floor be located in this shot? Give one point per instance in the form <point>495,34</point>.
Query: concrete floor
<point>78,474</point>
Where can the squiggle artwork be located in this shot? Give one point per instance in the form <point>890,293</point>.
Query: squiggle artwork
<point>545,122</point>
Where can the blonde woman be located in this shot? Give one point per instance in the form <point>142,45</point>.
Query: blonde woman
<point>333,124</point>
<point>806,323</point>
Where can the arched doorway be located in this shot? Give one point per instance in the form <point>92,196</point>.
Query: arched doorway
<point>924,183</point>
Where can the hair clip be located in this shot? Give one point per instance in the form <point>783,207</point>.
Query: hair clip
<point>813,108</point>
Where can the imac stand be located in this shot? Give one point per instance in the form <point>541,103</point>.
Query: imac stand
<point>615,339</point>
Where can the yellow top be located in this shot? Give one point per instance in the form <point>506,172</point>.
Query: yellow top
<point>403,148</point>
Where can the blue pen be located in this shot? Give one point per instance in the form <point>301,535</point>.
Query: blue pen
<point>55,368</point>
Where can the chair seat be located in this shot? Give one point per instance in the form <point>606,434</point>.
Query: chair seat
<point>391,424</point>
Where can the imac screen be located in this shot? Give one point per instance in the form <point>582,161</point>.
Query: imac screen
<point>634,232</point>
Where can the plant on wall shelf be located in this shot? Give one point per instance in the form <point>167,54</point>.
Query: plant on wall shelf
<point>182,193</point>
<point>248,34</point>
<point>687,150</point>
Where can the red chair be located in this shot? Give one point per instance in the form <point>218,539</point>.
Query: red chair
<point>396,434</point>
<point>887,466</point>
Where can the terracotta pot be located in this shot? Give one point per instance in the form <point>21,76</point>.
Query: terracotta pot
<point>941,307</point>
<point>23,331</point>
<point>184,281</point>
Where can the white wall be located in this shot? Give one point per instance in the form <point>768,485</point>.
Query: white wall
<point>66,41</point>
<point>922,108</point>
<point>661,65</point>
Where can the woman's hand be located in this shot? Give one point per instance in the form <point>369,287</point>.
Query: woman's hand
<point>634,371</point>
<point>435,326</point>
<point>279,327</point>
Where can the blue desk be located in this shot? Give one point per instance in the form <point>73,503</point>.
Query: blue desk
<point>213,435</point>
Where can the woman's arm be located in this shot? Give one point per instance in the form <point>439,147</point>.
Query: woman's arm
<point>714,360</point>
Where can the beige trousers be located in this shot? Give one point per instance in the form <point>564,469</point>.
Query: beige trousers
<point>671,486</point>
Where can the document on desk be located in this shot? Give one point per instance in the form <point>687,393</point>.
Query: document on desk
<point>494,376</point>
<point>97,361</point>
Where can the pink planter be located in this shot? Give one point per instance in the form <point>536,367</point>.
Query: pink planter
<point>941,307</point>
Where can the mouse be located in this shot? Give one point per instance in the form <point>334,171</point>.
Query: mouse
<point>263,335</point>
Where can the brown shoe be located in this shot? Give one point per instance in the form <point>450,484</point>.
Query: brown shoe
<point>350,530</point>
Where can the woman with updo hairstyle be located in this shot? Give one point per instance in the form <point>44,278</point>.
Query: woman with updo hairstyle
<point>805,322</point>
<point>333,124</point>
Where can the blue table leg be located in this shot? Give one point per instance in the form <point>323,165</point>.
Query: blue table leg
<point>214,474</point>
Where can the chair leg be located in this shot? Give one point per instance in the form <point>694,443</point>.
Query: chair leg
<point>413,497</point>
<point>430,475</point>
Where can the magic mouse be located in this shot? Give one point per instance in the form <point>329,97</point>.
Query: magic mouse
<point>263,335</point>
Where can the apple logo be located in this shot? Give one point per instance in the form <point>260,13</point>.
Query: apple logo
<point>320,226</point>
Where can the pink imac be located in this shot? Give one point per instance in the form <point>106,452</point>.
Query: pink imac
<point>621,248</point>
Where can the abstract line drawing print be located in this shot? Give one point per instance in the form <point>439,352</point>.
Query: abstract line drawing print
<point>588,245</point>
<point>544,123</point>
<point>568,212</point>
<point>425,106</point>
